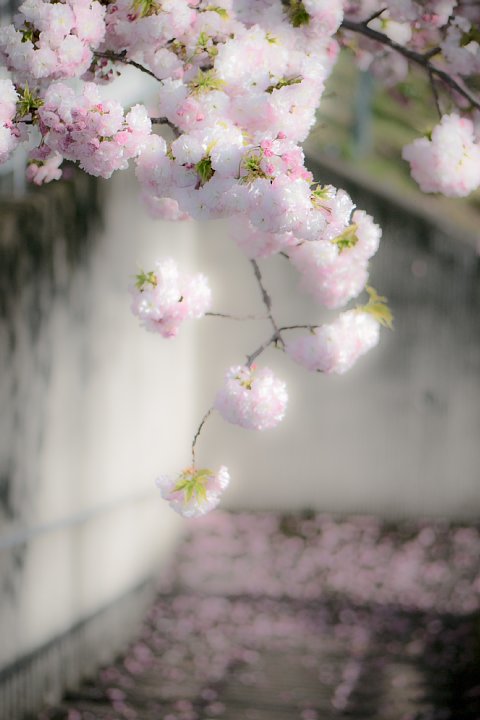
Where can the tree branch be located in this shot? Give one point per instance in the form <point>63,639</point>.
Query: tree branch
<point>267,300</point>
<point>436,96</point>
<point>121,57</point>
<point>263,346</point>
<point>413,56</point>
<point>237,317</point>
<point>165,121</point>
<point>197,434</point>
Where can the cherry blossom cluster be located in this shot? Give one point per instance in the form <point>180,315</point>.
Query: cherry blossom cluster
<point>163,298</point>
<point>252,398</point>
<point>335,347</point>
<point>239,84</point>
<point>194,492</point>
<point>52,40</point>
<point>450,161</point>
<point>80,127</point>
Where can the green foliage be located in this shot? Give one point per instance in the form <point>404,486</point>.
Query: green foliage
<point>377,307</point>
<point>252,164</point>
<point>219,10</point>
<point>297,13</point>
<point>205,81</point>
<point>204,169</point>
<point>347,239</point>
<point>319,194</point>
<point>28,104</point>
<point>145,278</point>
<point>192,483</point>
<point>144,8</point>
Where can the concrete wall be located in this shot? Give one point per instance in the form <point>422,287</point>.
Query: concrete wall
<point>397,435</point>
<point>89,400</point>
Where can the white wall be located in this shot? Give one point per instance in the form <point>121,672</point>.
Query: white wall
<point>95,408</point>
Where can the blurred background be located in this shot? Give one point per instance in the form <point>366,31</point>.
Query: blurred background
<point>346,532</point>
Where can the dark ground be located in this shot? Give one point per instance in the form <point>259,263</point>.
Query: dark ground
<point>268,617</point>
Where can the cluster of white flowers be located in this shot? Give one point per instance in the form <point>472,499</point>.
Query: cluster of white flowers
<point>335,347</point>
<point>79,126</point>
<point>252,398</point>
<point>163,298</point>
<point>52,40</point>
<point>194,492</point>
<point>448,163</point>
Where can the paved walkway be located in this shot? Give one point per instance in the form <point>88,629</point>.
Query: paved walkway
<point>282,618</point>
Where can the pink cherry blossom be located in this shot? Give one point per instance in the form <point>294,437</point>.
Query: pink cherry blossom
<point>194,492</point>
<point>335,348</point>
<point>252,398</point>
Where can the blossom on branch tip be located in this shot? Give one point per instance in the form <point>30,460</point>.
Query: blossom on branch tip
<point>163,298</point>
<point>254,399</point>
<point>449,162</point>
<point>335,347</point>
<point>194,492</point>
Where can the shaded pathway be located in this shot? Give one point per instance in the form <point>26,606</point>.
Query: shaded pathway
<point>273,618</point>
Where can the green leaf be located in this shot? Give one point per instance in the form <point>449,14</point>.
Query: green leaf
<point>377,307</point>
<point>28,103</point>
<point>192,483</point>
<point>347,239</point>
<point>219,10</point>
<point>473,35</point>
<point>320,194</point>
<point>298,14</point>
<point>252,164</point>
<point>145,7</point>
<point>204,169</point>
<point>205,81</point>
<point>143,278</point>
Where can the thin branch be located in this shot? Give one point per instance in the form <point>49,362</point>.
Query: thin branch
<point>298,327</point>
<point>197,434</point>
<point>430,53</point>
<point>237,317</point>
<point>374,16</point>
<point>165,121</point>
<point>267,300</point>
<point>435,93</point>
<point>121,57</point>
<point>250,358</point>
<point>418,58</point>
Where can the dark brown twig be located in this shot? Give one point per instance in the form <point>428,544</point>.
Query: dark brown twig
<point>415,57</point>
<point>121,57</point>
<point>197,434</point>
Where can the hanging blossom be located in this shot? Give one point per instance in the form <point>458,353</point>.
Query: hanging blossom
<point>335,269</point>
<point>336,347</point>
<point>163,298</point>
<point>194,492</point>
<point>449,163</point>
<point>81,127</point>
<point>252,398</point>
